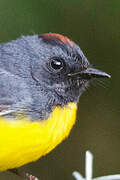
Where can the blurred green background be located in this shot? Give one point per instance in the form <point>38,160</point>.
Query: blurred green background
<point>95,26</point>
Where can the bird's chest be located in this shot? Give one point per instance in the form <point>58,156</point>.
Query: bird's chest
<point>23,141</point>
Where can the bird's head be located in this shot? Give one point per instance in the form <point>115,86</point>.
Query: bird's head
<point>62,67</point>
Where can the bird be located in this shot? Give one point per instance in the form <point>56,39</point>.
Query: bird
<point>42,77</point>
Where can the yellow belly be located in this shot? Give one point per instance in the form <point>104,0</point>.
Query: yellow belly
<point>22,141</point>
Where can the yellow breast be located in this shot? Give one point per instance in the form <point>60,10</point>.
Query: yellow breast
<point>23,141</point>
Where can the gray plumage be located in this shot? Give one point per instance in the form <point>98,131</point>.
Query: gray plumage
<point>29,84</point>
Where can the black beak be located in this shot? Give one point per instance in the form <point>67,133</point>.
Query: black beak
<point>90,73</point>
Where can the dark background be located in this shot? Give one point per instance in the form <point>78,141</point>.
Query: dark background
<point>95,26</point>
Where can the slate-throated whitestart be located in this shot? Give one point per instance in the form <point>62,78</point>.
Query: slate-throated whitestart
<point>41,80</point>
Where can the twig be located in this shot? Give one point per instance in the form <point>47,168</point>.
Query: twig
<point>89,171</point>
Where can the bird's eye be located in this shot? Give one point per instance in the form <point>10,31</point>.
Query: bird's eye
<point>56,64</point>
